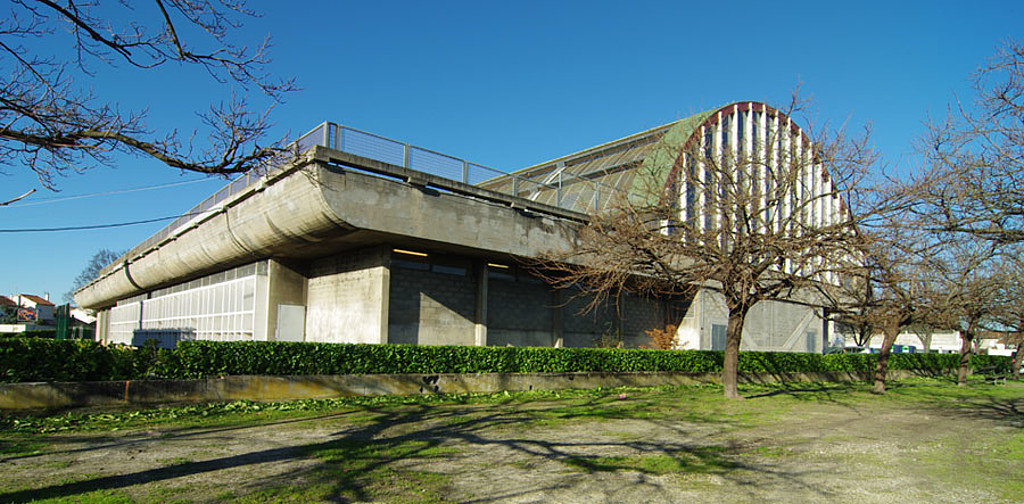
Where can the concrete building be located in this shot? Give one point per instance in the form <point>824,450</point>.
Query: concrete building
<point>366,240</point>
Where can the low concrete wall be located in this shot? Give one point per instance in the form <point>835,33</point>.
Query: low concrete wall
<point>60,395</point>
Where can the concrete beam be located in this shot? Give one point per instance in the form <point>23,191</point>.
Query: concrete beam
<point>315,209</point>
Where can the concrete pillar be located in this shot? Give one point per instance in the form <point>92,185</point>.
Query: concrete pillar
<point>481,304</point>
<point>557,302</point>
<point>102,325</point>
<point>286,292</point>
<point>347,297</point>
<point>385,289</point>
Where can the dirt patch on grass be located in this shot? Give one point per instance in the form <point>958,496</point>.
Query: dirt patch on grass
<point>930,444</point>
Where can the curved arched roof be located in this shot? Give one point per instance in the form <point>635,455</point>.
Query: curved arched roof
<point>587,181</point>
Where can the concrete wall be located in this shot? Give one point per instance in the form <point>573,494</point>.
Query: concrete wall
<point>770,326</point>
<point>286,303</point>
<point>347,297</point>
<point>640,315</point>
<point>943,341</point>
<point>582,328</point>
<point>432,307</point>
<point>519,313</point>
<point>52,396</point>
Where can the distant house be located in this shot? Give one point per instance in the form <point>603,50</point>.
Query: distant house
<point>947,341</point>
<point>26,312</point>
<point>998,342</point>
<point>8,310</point>
<point>35,309</point>
<point>83,317</point>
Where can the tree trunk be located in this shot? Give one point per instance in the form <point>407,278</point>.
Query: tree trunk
<point>965,357</point>
<point>863,336</point>
<point>926,343</point>
<point>890,332</point>
<point>1017,360</point>
<point>730,367</point>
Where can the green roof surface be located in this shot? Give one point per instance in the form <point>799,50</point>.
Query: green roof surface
<point>588,181</point>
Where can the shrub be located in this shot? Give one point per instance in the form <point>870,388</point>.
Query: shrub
<point>34,359</point>
<point>24,359</point>
<point>663,339</point>
<point>38,333</point>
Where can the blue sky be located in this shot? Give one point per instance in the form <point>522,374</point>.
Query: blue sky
<point>511,84</point>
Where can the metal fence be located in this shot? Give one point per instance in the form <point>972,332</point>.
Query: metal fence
<point>372,146</point>
<point>369,145</point>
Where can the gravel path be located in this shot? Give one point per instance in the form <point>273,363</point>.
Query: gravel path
<point>814,452</point>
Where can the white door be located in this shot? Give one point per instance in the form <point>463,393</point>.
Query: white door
<point>291,323</point>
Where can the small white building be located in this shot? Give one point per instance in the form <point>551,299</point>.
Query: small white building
<point>26,312</point>
<point>942,341</point>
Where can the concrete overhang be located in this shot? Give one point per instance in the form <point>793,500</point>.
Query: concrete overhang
<point>326,203</point>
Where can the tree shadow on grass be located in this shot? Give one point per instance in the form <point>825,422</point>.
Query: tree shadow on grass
<point>150,437</point>
<point>986,402</point>
<point>837,393</point>
<point>409,452</point>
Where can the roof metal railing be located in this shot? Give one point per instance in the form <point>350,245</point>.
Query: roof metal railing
<point>387,150</point>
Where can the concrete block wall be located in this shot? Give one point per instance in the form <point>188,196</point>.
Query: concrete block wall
<point>432,308</point>
<point>346,298</point>
<point>583,329</point>
<point>638,315</point>
<point>520,313</point>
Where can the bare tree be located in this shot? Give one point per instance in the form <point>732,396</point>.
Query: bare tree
<point>52,122</point>
<point>1009,312</point>
<point>884,293</point>
<point>99,260</point>
<point>763,222</point>
<point>964,292</point>
<point>975,180</point>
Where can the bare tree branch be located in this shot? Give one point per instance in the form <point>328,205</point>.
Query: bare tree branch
<point>974,181</point>
<point>53,124</point>
<point>8,202</point>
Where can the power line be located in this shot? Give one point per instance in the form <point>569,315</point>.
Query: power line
<point>84,228</point>
<point>46,201</point>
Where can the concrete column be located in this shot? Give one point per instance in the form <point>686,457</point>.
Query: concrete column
<point>481,304</point>
<point>702,189</point>
<point>748,133</point>
<point>263,325</point>
<point>286,289</point>
<point>716,198</point>
<point>385,290</point>
<point>684,182</point>
<point>557,338</point>
<point>103,325</point>
<point>763,153</point>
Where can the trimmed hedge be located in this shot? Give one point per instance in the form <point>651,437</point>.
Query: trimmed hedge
<point>203,358</point>
<point>37,359</point>
<point>51,360</point>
